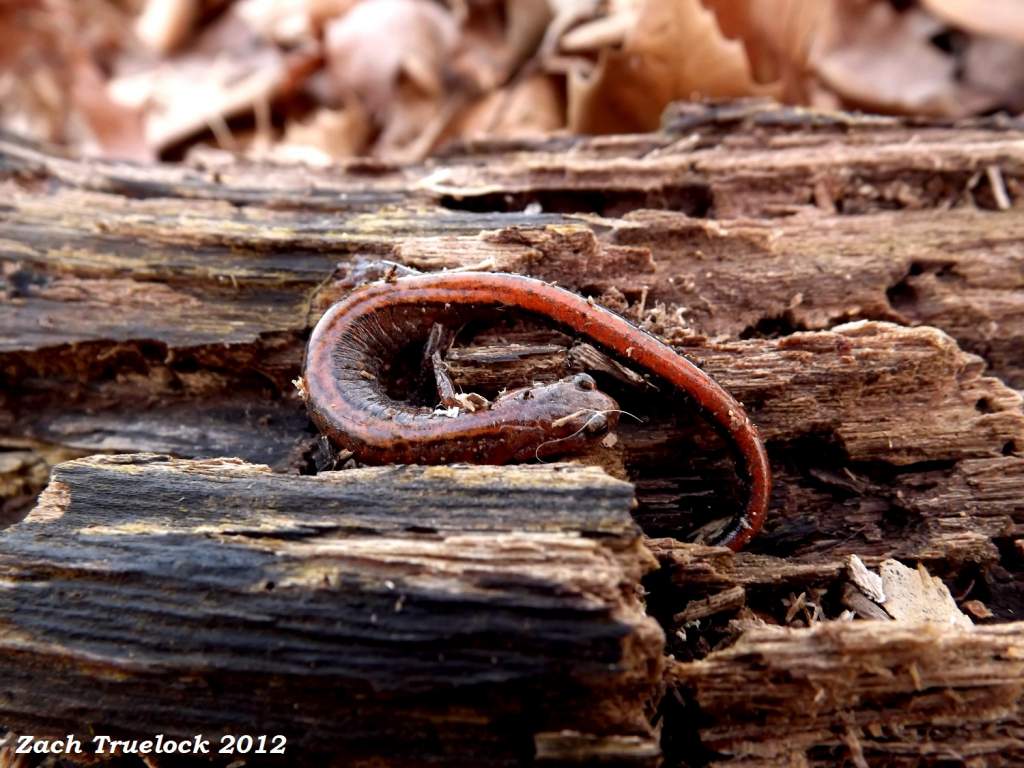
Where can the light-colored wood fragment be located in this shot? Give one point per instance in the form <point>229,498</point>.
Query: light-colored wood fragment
<point>901,593</point>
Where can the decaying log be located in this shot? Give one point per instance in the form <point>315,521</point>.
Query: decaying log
<point>863,693</point>
<point>451,615</point>
<point>858,282</point>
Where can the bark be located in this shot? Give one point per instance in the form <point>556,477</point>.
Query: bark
<point>857,282</point>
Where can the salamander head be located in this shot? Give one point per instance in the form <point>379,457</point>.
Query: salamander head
<point>557,419</point>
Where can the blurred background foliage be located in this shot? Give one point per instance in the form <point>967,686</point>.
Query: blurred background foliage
<point>322,80</point>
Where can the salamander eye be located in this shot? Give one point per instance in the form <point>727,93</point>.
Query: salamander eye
<point>584,381</point>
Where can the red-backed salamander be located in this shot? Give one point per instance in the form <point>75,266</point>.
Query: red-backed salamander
<point>356,339</point>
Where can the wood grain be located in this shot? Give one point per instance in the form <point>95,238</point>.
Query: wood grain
<point>429,614</point>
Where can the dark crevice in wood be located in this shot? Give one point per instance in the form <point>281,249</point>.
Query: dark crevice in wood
<point>774,327</point>
<point>693,200</point>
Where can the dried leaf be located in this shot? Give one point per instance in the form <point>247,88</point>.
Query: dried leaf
<point>497,36</point>
<point>415,124</point>
<point>995,68</point>
<point>230,69</point>
<point>33,73</point>
<point>377,44</point>
<point>164,24</point>
<point>998,18</point>
<point>675,51</point>
<point>403,75</point>
<point>880,59</point>
<point>777,35</point>
<point>602,32</point>
<point>567,14</point>
<point>327,135</point>
<point>51,85</point>
<point>527,108</point>
<point>291,22</point>
<point>525,24</point>
<point>116,130</point>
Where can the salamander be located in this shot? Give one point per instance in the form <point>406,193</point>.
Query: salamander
<point>355,341</point>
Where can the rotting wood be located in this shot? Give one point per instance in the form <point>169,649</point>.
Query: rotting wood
<point>862,693</point>
<point>164,309</point>
<point>435,615</point>
<point>728,600</point>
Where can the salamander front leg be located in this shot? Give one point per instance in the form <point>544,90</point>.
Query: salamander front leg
<point>438,342</point>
